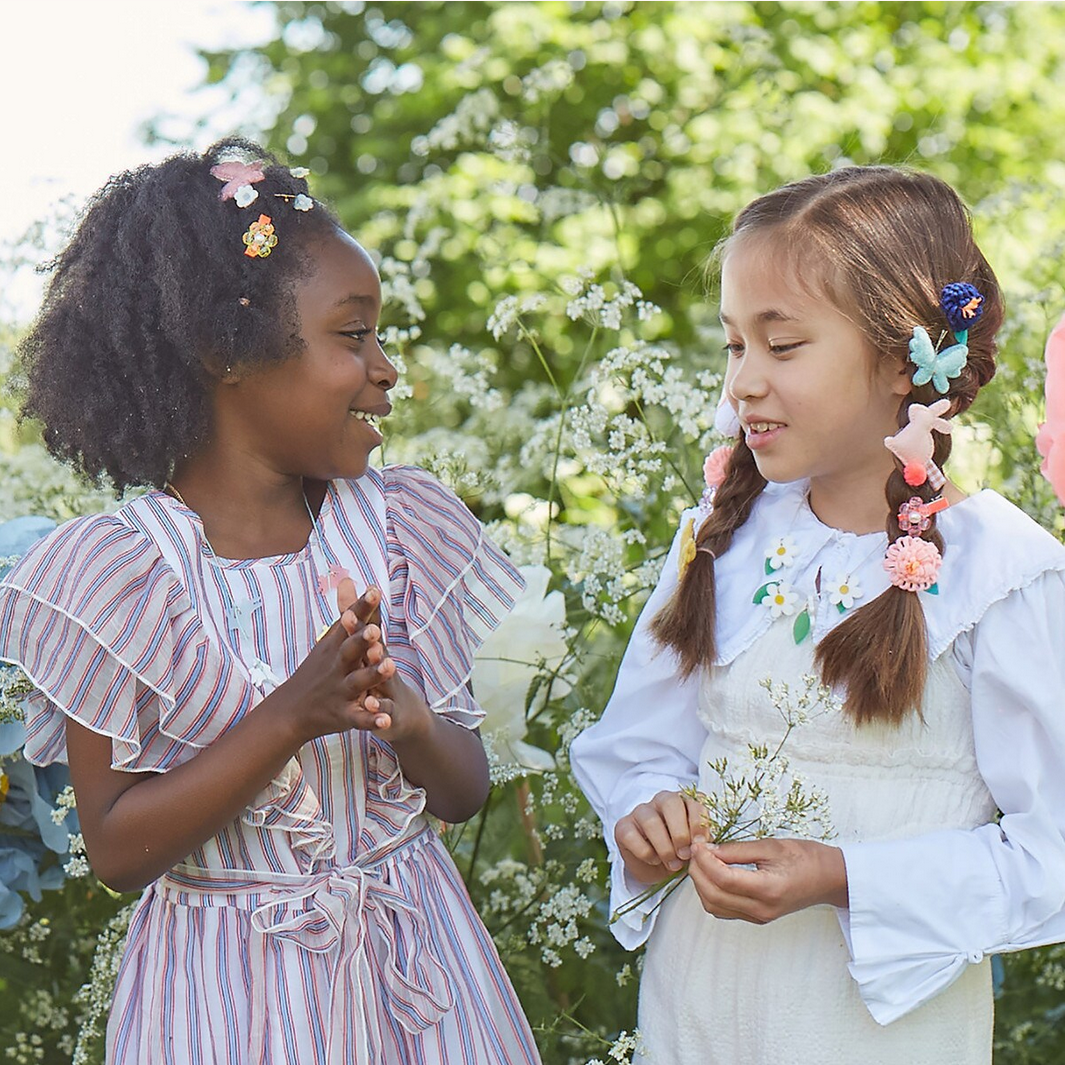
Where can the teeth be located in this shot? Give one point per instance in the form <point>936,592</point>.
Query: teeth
<point>363,416</point>
<point>763,427</point>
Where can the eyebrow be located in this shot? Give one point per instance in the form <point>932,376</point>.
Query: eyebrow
<point>359,300</point>
<point>765,316</point>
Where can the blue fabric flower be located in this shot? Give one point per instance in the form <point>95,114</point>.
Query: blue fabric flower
<point>962,304</point>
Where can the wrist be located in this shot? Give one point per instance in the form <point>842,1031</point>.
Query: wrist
<point>835,877</point>
<point>277,715</point>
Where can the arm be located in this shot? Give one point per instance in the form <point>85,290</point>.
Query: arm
<point>923,908</point>
<point>138,825</point>
<point>647,741</point>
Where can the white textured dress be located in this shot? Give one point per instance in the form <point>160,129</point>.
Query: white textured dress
<point>935,881</point>
<point>327,925</point>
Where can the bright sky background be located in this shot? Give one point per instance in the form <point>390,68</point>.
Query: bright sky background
<point>79,78</point>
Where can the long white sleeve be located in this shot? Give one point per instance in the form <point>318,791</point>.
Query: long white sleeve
<point>648,740</point>
<point>923,908</point>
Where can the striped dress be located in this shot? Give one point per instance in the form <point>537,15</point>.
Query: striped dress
<point>327,925</point>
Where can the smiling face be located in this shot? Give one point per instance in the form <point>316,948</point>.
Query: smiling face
<point>314,415</point>
<point>813,400</point>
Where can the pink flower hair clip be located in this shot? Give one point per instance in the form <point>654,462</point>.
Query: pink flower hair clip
<point>914,447</point>
<point>1050,440</point>
<point>912,564</point>
<point>716,466</point>
<point>915,515</point>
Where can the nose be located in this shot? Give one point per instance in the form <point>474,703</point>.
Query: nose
<point>383,372</point>
<point>745,379</point>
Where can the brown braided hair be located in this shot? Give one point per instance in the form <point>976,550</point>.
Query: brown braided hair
<point>880,243</point>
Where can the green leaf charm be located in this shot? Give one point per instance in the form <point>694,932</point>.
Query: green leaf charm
<point>841,608</point>
<point>769,568</point>
<point>933,589</point>
<point>801,629</point>
<point>762,592</point>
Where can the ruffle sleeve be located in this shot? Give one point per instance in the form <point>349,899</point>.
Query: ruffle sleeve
<point>108,636</point>
<point>449,585</point>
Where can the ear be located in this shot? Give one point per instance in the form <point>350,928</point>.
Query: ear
<point>899,377</point>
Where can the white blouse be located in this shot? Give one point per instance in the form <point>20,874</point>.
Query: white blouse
<point>923,907</point>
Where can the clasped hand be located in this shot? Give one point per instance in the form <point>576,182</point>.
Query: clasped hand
<point>660,836</point>
<point>349,681</point>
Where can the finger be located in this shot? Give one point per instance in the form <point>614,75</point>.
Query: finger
<point>749,852</point>
<point>718,891</point>
<point>347,595</point>
<point>356,647</point>
<point>697,826</point>
<point>734,881</point>
<point>382,709</point>
<point>652,824</point>
<point>632,841</point>
<point>674,812</point>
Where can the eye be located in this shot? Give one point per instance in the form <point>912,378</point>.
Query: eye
<point>734,348</point>
<point>783,349</point>
<point>359,335</point>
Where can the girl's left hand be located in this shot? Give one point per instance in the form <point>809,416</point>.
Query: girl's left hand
<point>789,875</point>
<point>400,712</point>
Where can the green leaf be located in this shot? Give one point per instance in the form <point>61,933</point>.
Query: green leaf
<point>769,567</point>
<point>762,592</point>
<point>933,589</point>
<point>841,608</point>
<point>801,629</point>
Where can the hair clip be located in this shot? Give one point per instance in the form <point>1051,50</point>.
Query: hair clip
<point>300,201</point>
<point>913,445</point>
<point>915,515</point>
<point>962,304</point>
<point>688,549</point>
<point>912,564</point>
<point>260,239</point>
<point>238,179</point>
<point>932,365</point>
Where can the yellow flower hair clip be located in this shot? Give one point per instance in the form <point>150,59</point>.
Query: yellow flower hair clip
<point>688,550</point>
<point>260,239</point>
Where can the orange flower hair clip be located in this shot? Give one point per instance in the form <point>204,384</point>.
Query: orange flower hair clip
<point>260,238</point>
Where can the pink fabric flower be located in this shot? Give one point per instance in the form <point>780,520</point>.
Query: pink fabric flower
<point>235,175</point>
<point>912,563</point>
<point>716,465</point>
<point>1050,440</point>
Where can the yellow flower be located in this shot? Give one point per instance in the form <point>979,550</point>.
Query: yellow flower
<point>687,548</point>
<point>4,785</point>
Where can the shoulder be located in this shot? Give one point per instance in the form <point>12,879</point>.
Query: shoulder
<point>102,546</point>
<point>992,551</point>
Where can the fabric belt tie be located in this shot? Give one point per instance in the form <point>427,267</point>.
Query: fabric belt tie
<point>354,912</point>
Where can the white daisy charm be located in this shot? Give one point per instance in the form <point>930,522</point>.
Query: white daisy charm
<point>843,590</point>
<point>303,203</point>
<point>299,172</point>
<point>262,676</point>
<point>245,195</point>
<point>782,552</point>
<point>780,599</point>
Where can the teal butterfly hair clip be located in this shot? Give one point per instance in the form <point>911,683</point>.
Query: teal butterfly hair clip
<point>932,365</point>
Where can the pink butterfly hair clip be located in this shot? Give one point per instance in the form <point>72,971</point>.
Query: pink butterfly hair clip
<point>237,176</point>
<point>1050,440</point>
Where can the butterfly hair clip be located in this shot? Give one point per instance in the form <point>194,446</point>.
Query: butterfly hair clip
<point>932,365</point>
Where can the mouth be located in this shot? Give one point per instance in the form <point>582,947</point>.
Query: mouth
<point>372,416</point>
<point>761,432</point>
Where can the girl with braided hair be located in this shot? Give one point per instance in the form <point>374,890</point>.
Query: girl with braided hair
<point>858,310</point>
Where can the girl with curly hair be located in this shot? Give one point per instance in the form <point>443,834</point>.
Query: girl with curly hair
<point>251,741</point>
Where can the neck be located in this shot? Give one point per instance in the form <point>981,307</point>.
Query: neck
<point>851,502</point>
<point>247,509</point>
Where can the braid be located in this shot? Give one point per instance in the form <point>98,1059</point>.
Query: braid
<point>687,623</point>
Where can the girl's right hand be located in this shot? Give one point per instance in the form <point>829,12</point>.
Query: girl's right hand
<point>326,693</point>
<point>655,839</point>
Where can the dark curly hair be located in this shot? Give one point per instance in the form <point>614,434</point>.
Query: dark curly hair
<point>153,301</point>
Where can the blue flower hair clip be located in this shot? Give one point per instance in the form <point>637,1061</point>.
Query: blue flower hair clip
<point>962,304</point>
